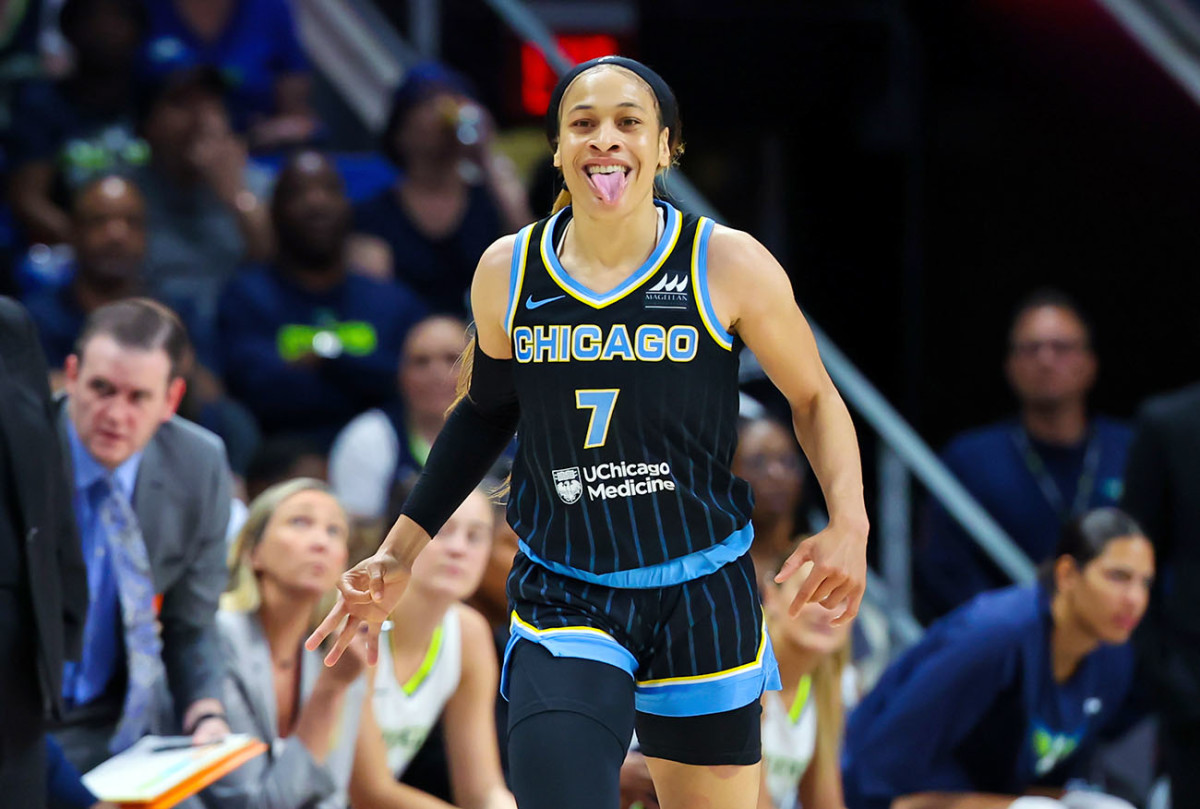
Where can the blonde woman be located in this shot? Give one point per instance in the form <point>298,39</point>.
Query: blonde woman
<point>802,724</point>
<point>286,559</point>
<point>437,659</point>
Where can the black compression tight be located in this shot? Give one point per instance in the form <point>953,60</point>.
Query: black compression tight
<point>570,722</point>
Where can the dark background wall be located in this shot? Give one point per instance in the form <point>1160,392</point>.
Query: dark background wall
<point>921,166</point>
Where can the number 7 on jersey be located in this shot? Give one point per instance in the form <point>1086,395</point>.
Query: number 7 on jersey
<point>601,402</point>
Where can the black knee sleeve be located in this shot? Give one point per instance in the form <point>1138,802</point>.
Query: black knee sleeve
<point>569,725</point>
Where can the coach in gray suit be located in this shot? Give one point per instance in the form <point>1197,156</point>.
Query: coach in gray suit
<point>152,494</point>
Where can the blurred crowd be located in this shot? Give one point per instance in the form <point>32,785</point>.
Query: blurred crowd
<point>249,351</point>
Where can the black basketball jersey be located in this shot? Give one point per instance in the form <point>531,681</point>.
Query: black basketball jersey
<point>629,407</point>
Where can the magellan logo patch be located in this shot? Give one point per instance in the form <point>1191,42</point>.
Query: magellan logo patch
<point>669,293</point>
<point>569,484</point>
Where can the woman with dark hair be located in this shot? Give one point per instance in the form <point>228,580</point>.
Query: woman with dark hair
<point>1002,700</point>
<point>455,195</point>
<point>768,459</point>
<point>610,331</point>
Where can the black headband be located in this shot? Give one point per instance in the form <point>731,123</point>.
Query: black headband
<point>667,104</point>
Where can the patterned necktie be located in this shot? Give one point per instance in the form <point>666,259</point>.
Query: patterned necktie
<point>143,646</point>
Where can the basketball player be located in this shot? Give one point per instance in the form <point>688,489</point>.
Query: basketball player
<point>610,332</point>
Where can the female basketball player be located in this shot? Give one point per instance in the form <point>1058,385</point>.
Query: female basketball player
<point>611,331</point>
<point>1009,694</point>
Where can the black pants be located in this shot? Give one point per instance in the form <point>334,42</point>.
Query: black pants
<point>1181,754</point>
<point>22,741</point>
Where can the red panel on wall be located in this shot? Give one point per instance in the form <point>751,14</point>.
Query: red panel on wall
<point>537,79</point>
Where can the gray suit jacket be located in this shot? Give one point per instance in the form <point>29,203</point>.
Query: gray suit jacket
<point>182,499</point>
<point>286,776</point>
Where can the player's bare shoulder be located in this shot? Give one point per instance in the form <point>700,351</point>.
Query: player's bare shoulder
<point>496,262</point>
<point>743,276</point>
<point>490,286</point>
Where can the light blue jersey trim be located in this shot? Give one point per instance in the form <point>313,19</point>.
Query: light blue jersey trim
<point>671,230</point>
<point>583,642</point>
<point>665,574</point>
<point>700,282</point>
<point>694,696</point>
<point>516,276</point>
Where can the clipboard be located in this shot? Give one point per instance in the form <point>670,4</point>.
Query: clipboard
<point>160,771</point>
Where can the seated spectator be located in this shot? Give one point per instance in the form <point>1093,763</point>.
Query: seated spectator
<point>283,458</point>
<point>438,219</point>
<point>287,557</point>
<point>1162,483</point>
<point>769,459</point>
<point>152,496</point>
<point>1009,694</point>
<point>386,447</point>
<point>204,199</point>
<point>68,132</point>
<point>108,222</point>
<point>438,660</point>
<point>802,724</point>
<point>305,344</point>
<point>20,32</point>
<point>108,233</point>
<point>1036,471</point>
<point>255,44</point>
<point>490,598</point>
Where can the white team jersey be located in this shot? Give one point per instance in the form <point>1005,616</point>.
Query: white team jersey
<point>406,712</point>
<point>787,748</point>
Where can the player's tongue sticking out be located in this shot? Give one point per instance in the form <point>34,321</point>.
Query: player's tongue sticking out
<point>607,181</point>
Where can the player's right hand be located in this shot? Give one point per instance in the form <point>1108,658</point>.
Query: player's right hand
<point>367,593</point>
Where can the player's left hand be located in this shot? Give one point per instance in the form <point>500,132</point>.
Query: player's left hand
<point>839,570</point>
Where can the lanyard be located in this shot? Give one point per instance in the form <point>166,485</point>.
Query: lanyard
<point>1045,482</point>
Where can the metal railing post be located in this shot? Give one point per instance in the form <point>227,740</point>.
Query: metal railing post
<point>895,526</point>
<point>425,23</point>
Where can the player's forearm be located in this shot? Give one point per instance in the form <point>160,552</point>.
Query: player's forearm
<point>826,433</point>
<point>405,541</point>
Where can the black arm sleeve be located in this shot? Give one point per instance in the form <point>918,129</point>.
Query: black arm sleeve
<point>476,432</point>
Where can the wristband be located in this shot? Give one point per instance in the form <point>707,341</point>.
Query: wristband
<point>204,717</point>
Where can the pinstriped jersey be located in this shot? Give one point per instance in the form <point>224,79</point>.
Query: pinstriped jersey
<point>629,406</point>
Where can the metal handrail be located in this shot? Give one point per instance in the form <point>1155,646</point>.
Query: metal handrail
<point>922,462</point>
<point>1167,33</point>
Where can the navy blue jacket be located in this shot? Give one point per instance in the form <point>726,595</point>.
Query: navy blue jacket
<point>265,326</point>
<point>974,707</point>
<point>989,462</point>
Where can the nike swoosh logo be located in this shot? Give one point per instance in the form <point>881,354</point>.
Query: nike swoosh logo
<point>530,303</point>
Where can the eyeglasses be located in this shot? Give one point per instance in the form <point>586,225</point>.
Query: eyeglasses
<point>1060,348</point>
